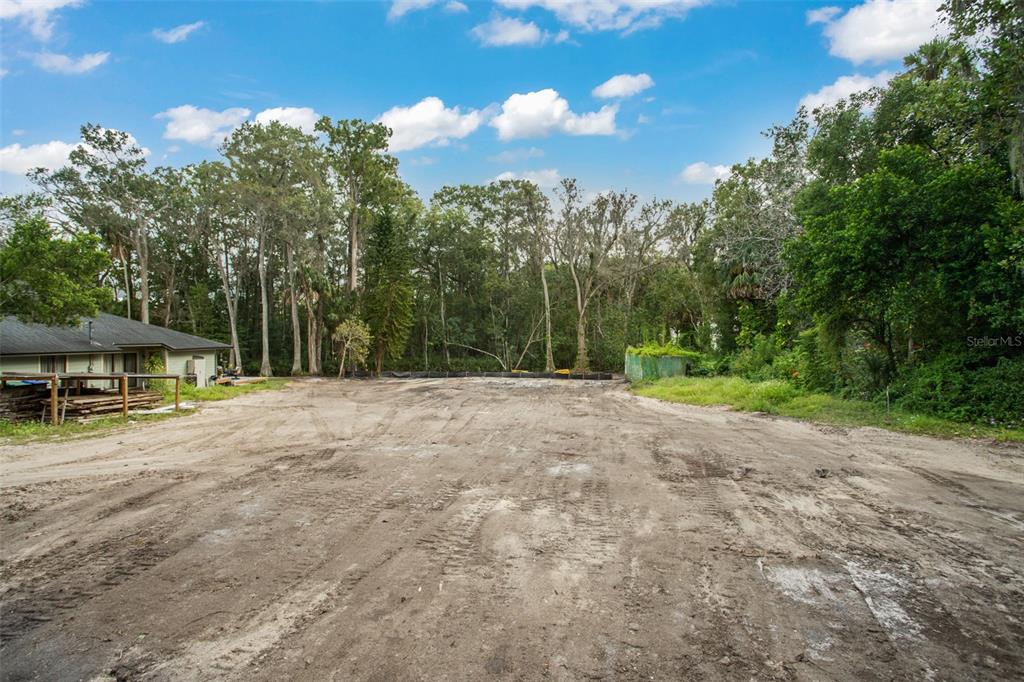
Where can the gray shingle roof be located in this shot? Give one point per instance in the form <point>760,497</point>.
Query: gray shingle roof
<point>110,333</point>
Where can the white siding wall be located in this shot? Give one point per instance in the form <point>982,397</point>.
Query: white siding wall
<point>177,363</point>
<point>20,363</point>
<point>105,363</point>
<point>78,363</point>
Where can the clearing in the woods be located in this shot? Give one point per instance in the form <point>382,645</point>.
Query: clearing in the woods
<point>474,528</point>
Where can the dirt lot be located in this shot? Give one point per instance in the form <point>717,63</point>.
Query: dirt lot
<point>472,529</point>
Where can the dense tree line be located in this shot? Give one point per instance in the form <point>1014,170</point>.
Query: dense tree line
<point>878,249</point>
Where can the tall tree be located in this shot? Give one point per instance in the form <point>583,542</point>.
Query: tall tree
<point>356,151</point>
<point>44,278</point>
<point>108,191</point>
<point>585,237</point>
<point>268,163</point>
<point>388,296</point>
<point>217,231</point>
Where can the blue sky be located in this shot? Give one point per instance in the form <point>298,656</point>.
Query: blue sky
<point>474,90</point>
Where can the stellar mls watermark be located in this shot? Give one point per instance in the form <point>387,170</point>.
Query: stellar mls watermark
<point>1010,341</point>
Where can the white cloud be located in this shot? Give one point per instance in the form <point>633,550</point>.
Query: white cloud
<point>303,118</point>
<point>36,15</point>
<point>19,160</point>
<point>178,33</point>
<point>62,63</point>
<point>517,155</point>
<point>642,120</point>
<point>544,179</point>
<point>399,8</point>
<point>703,173</point>
<point>538,114</point>
<point>610,15</point>
<point>505,31</point>
<point>623,85</point>
<point>880,30</point>
<point>201,126</point>
<point>843,88</point>
<point>429,122</point>
<point>822,15</point>
<point>502,31</point>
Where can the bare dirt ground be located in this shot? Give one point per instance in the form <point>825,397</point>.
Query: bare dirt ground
<point>487,529</point>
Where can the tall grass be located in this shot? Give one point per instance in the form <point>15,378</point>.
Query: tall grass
<point>784,399</point>
<point>32,431</point>
<point>210,393</point>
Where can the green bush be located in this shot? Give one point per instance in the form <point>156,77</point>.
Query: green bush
<point>656,350</point>
<point>154,364</point>
<point>755,362</point>
<point>782,398</point>
<point>956,387</point>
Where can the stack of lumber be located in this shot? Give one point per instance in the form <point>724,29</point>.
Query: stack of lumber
<point>20,403</point>
<point>105,404</point>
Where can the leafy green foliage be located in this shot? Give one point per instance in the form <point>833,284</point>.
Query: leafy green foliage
<point>388,298</point>
<point>50,280</point>
<point>353,339</point>
<point>661,350</point>
<point>856,258</point>
<point>958,387</point>
<point>783,399</point>
<point>907,250</point>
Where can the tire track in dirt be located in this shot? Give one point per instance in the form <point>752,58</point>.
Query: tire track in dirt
<point>521,530</point>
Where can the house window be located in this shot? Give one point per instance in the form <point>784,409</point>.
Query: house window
<point>53,363</point>
<point>130,365</point>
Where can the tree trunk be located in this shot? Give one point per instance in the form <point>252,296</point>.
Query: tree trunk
<point>444,325</point>
<point>353,245</point>
<point>341,361</point>
<point>582,298</point>
<point>236,355</point>
<point>582,364</point>
<point>127,285</point>
<point>296,330</point>
<point>549,357</point>
<point>314,335</point>
<point>265,369</point>
<point>170,299</point>
<point>191,314</point>
<point>311,343</point>
<point>380,359</point>
<point>318,334</point>
<point>142,247</point>
<point>225,282</point>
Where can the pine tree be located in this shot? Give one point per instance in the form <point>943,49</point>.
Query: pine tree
<point>388,294</point>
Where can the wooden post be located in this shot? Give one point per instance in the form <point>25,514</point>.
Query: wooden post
<point>177,393</point>
<point>124,396</point>
<point>53,400</point>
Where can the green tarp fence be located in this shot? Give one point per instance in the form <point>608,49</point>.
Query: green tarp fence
<point>640,367</point>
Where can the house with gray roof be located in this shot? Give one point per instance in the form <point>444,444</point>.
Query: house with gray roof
<point>105,344</point>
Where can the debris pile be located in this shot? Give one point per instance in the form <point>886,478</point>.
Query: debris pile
<point>87,407</point>
<point>20,403</point>
<point>26,403</point>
